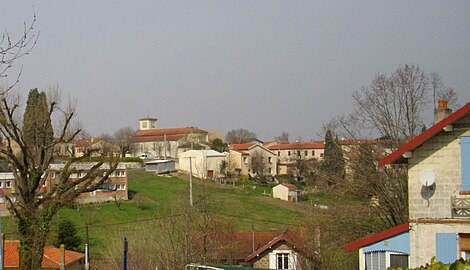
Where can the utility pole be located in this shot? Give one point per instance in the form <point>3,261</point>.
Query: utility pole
<point>87,249</point>
<point>164,144</point>
<point>124,267</point>
<point>190,181</point>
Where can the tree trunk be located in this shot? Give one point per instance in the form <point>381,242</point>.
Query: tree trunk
<point>33,231</point>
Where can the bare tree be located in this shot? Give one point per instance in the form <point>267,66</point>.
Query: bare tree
<point>284,137</point>
<point>441,91</point>
<point>258,165</point>
<point>13,49</point>
<point>240,135</point>
<point>392,105</point>
<point>29,160</point>
<point>391,109</point>
<point>123,138</point>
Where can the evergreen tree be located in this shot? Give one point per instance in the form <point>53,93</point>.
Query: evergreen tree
<point>218,145</point>
<point>67,235</point>
<point>37,127</point>
<point>333,165</point>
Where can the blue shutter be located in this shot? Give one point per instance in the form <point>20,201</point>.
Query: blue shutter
<point>446,247</point>
<point>465,157</point>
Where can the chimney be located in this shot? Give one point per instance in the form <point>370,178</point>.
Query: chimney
<point>441,111</point>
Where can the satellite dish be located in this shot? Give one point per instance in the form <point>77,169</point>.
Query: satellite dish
<point>427,177</point>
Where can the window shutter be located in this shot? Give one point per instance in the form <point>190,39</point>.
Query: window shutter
<point>272,261</point>
<point>465,158</point>
<point>446,247</point>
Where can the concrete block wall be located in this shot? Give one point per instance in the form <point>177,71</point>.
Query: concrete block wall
<point>423,240</point>
<point>441,154</point>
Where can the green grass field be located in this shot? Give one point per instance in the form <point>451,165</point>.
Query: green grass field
<point>155,197</point>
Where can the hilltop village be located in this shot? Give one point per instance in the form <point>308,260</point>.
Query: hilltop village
<point>292,176</point>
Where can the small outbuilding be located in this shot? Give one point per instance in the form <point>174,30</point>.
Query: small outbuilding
<point>286,192</point>
<point>202,163</point>
<point>160,166</point>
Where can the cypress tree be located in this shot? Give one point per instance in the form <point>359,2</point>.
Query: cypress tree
<point>37,125</point>
<point>333,164</point>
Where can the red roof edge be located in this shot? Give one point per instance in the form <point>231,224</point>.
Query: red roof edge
<point>426,135</point>
<point>277,239</point>
<point>377,237</point>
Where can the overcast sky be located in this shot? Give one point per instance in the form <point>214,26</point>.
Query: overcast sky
<point>267,66</point>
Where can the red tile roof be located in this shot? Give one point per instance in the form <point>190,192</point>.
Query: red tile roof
<point>358,141</point>
<point>426,135</point>
<point>158,134</point>
<point>236,245</point>
<point>298,145</point>
<point>241,146</point>
<point>148,118</point>
<point>289,185</point>
<point>287,236</point>
<point>87,142</point>
<point>51,257</point>
<point>377,237</point>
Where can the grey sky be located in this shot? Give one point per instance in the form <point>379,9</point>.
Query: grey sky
<point>268,66</point>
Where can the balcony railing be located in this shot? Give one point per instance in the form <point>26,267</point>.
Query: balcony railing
<point>461,206</point>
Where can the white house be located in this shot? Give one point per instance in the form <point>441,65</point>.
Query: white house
<point>286,192</point>
<point>204,163</point>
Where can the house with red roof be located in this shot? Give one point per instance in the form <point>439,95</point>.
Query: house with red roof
<point>289,152</point>
<point>438,162</point>
<point>286,192</point>
<point>97,145</point>
<point>165,142</point>
<point>51,260</point>
<point>252,159</point>
<point>259,249</point>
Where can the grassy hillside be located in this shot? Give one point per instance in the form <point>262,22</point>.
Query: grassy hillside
<point>156,197</point>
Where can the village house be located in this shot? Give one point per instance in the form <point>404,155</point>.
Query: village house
<point>438,163</point>
<point>97,145</point>
<point>258,249</point>
<point>286,192</point>
<point>202,163</point>
<point>114,188</point>
<point>252,159</point>
<point>165,142</point>
<point>288,153</point>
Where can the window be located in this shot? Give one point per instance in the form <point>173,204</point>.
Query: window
<point>278,153</point>
<point>376,260</point>
<point>282,260</point>
<point>465,161</point>
<point>313,152</point>
<point>1,184</point>
<point>270,160</point>
<point>288,153</point>
<point>321,154</point>
<point>298,153</point>
<point>121,187</point>
<point>7,184</point>
<point>144,124</point>
<point>121,173</point>
<point>399,260</point>
<point>245,160</point>
<point>306,153</point>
